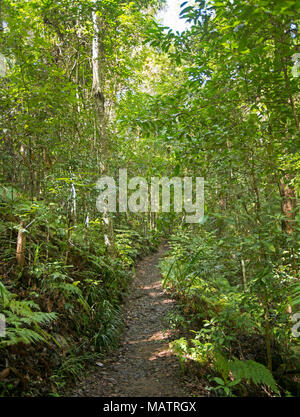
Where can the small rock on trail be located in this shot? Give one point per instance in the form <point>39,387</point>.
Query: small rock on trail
<point>143,365</point>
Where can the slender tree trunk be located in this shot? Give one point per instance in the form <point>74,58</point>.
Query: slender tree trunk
<point>21,244</point>
<point>244,274</point>
<point>69,228</point>
<point>98,76</point>
<point>288,203</point>
<point>1,24</point>
<point>1,16</point>
<point>268,338</point>
<point>98,56</point>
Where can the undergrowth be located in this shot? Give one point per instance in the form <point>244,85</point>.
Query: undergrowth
<point>59,316</point>
<point>232,333</point>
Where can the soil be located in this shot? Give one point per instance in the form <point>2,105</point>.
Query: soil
<point>143,365</point>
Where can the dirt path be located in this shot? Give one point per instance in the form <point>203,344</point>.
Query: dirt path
<point>143,366</point>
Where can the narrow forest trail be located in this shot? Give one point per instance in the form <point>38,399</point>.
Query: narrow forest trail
<point>143,365</point>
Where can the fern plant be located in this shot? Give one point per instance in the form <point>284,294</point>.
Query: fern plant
<point>23,320</point>
<point>247,370</point>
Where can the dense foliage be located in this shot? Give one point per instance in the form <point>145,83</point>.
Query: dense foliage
<point>67,285</point>
<point>88,87</point>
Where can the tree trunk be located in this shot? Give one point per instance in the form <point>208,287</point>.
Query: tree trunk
<point>21,243</point>
<point>1,22</point>
<point>98,76</point>
<point>288,203</point>
<point>98,92</point>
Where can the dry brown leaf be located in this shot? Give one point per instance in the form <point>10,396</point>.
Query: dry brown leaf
<point>4,373</point>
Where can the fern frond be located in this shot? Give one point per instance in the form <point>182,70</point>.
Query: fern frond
<point>22,322</point>
<point>251,370</point>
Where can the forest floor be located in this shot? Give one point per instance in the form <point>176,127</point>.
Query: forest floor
<point>143,365</point>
